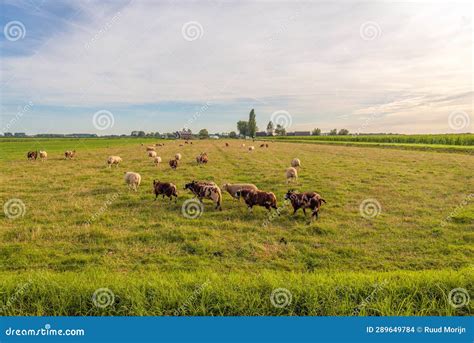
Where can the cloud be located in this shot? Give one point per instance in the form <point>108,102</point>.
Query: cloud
<point>307,58</point>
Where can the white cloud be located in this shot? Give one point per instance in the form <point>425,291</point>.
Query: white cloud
<point>307,58</point>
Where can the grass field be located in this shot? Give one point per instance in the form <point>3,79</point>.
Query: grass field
<point>458,143</point>
<point>404,261</point>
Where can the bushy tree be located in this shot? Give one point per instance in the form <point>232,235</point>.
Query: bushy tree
<point>203,133</point>
<point>280,130</point>
<point>343,132</point>
<point>242,127</point>
<point>316,132</point>
<point>233,134</point>
<point>333,132</point>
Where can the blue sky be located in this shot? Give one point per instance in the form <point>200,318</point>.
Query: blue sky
<point>371,66</point>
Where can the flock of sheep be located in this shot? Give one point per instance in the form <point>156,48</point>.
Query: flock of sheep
<point>209,190</point>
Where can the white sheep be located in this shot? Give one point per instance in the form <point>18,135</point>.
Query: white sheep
<point>157,160</point>
<point>152,154</point>
<point>291,174</point>
<point>132,180</point>
<point>43,155</point>
<point>150,148</point>
<point>243,145</point>
<point>232,189</point>
<point>251,148</point>
<point>177,157</point>
<point>114,160</point>
<point>296,162</point>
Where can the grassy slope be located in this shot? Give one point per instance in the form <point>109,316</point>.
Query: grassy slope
<point>142,249</point>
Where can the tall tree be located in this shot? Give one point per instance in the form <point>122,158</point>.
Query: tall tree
<point>316,132</point>
<point>242,127</point>
<point>252,125</point>
<point>333,132</point>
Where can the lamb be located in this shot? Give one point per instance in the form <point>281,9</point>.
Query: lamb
<point>32,155</point>
<point>233,189</point>
<point>43,155</point>
<point>132,180</point>
<point>206,190</point>
<point>251,148</point>
<point>69,154</point>
<point>152,154</point>
<point>259,198</point>
<point>305,200</point>
<point>173,164</point>
<point>202,158</point>
<point>114,160</point>
<point>295,162</point>
<point>291,174</point>
<point>157,160</point>
<point>177,157</point>
<point>166,189</point>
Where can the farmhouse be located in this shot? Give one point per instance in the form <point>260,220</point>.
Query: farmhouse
<point>184,135</point>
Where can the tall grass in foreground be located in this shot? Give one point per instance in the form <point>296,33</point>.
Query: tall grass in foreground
<point>209,293</point>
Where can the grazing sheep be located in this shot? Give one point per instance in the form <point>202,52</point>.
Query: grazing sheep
<point>243,145</point>
<point>233,189</point>
<point>262,145</point>
<point>202,158</point>
<point>181,145</point>
<point>132,180</point>
<point>266,145</point>
<point>186,142</point>
<point>177,157</point>
<point>296,162</point>
<point>152,154</point>
<point>32,155</point>
<point>251,148</point>
<point>166,189</point>
<point>114,160</point>
<point>291,174</point>
<point>173,164</point>
<point>157,160</point>
<point>43,155</point>
<point>305,200</point>
<point>190,142</point>
<point>226,144</point>
<point>150,148</point>
<point>69,154</point>
<point>157,144</point>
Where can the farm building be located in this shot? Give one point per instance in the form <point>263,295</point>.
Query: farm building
<point>261,134</point>
<point>184,135</point>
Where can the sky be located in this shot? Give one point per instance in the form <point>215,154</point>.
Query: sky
<point>110,67</point>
